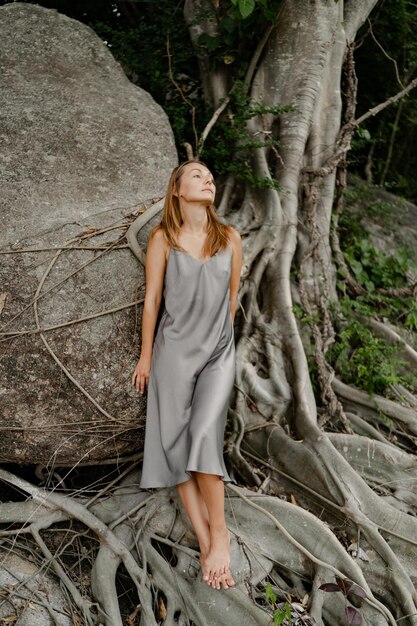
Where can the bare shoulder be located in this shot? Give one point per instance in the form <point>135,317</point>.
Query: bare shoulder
<point>157,239</point>
<point>235,238</point>
<point>156,234</point>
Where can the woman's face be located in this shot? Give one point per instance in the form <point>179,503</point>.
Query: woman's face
<point>196,184</point>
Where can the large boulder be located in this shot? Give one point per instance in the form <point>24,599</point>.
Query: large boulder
<point>84,152</point>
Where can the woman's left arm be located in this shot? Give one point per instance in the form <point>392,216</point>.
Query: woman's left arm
<point>237,260</point>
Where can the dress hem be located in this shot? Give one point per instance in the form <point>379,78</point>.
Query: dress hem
<point>178,482</point>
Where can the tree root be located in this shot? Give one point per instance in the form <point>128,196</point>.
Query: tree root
<point>314,463</point>
<point>157,548</point>
<point>377,404</point>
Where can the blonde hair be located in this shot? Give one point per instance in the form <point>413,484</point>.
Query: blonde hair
<point>217,233</point>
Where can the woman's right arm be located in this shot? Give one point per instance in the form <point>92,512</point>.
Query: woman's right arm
<point>155,272</point>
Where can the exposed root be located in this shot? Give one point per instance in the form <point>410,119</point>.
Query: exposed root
<point>377,404</point>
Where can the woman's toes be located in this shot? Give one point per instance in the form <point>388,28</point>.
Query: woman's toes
<point>224,582</point>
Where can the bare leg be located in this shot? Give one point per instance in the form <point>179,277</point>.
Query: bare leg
<point>195,506</point>
<point>218,559</point>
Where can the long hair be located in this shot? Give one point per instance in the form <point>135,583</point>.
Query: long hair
<point>217,232</point>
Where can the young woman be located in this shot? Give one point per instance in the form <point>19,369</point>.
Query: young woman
<point>189,369</point>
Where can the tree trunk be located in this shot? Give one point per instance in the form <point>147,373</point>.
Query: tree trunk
<point>275,413</point>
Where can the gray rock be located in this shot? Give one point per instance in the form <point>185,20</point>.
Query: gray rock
<point>389,220</point>
<point>30,590</point>
<point>83,149</point>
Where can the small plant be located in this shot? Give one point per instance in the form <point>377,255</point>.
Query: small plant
<point>283,612</point>
<point>362,359</point>
<point>290,611</point>
<point>357,355</point>
<point>350,590</point>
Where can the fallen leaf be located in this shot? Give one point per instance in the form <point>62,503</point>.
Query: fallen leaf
<point>357,553</point>
<point>330,587</point>
<point>131,620</point>
<point>353,616</point>
<point>162,610</point>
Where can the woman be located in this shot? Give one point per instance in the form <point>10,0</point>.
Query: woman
<point>189,369</point>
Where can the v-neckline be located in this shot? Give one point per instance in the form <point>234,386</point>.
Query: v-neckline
<point>195,258</point>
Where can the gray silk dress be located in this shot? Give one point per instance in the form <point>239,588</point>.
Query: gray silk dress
<point>192,372</point>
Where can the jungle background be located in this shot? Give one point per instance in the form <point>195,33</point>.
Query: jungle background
<point>322,428</point>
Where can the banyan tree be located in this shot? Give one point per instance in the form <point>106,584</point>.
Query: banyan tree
<point>323,505</point>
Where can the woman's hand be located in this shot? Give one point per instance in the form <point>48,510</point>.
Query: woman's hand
<point>140,376</point>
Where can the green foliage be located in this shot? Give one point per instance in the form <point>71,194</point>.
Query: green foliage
<point>283,612</point>
<point>362,359</point>
<point>238,25</point>
<point>269,594</point>
<point>281,615</point>
<point>357,355</point>
<point>231,144</point>
<point>138,38</point>
<point>142,49</point>
<point>374,269</point>
<point>246,7</point>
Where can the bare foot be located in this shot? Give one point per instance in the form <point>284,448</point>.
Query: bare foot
<point>225,579</point>
<point>218,559</point>
<point>203,562</point>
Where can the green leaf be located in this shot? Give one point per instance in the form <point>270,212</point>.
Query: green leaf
<point>411,320</point>
<point>279,617</point>
<point>364,133</point>
<point>356,267</point>
<point>269,594</point>
<point>246,7</point>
